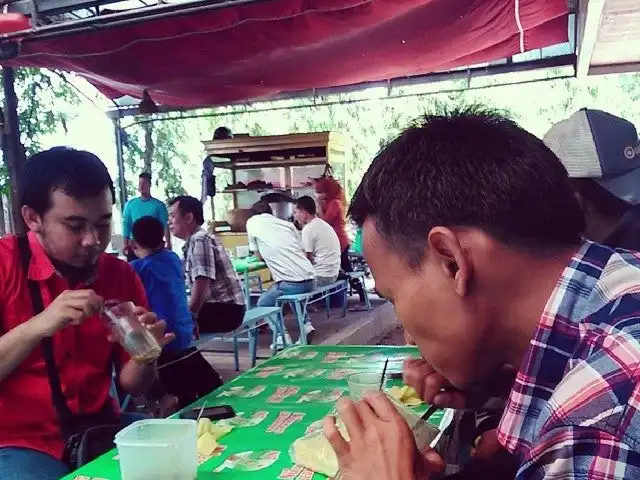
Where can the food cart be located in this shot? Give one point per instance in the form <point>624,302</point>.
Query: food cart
<point>267,165</point>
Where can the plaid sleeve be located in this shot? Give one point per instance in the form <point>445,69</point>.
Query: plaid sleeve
<point>203,259</point>
<point>574,452</point>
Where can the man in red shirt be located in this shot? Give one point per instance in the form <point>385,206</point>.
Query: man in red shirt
<point>67,198</point>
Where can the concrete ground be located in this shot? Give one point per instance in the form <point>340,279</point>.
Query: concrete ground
<point>378,326</point>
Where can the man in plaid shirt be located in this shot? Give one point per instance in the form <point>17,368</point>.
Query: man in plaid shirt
<point>471,229</point>
<point>217,301</point>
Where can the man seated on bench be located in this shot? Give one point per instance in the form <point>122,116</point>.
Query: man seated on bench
<point>278,243</point>
<point>319,240</point>
<point>217,299</point>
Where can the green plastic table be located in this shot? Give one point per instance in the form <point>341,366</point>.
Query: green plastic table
<point>245,266</point>
<point>315,377</point>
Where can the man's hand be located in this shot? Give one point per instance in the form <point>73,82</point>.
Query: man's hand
<point>71,307</point>
<point>382,444</point>
<point>434,389</point>
<point>429,384</point>
<point>149,320</point>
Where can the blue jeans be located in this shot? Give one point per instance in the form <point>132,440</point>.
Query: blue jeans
<point>25,464</point>
<point>278,289</point>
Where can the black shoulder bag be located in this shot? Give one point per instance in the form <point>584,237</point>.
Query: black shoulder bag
<point>86,436</point>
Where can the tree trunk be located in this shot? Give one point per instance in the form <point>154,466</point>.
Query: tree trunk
<point>12,148</point>
<point>149,146</point>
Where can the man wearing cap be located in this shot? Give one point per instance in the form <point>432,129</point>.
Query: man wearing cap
<point>601,153</point>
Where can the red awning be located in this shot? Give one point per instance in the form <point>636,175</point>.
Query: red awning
<point>260,50</point>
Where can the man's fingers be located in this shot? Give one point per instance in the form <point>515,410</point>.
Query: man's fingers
<point>150,319</point>
<point>379,405</point>
<point>167,339</point>
<point>450,400</point>
<point>335,438</point>
<point>350,417</point>
<point>432,463</point>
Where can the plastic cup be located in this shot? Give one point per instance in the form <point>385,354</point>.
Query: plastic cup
<point>161,449</point>
<point>130,333</point>
<point>361,383</point>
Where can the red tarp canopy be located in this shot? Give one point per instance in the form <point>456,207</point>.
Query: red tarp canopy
<point>260,50</point>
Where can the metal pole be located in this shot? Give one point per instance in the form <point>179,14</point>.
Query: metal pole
<point>13,151</point>
<point>122,183</point>
<point>143,14</point>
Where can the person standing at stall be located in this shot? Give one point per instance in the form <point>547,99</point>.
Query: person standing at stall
<point>332,203</point>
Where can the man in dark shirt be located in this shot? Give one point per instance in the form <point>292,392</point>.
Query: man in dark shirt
<point>601,153</point>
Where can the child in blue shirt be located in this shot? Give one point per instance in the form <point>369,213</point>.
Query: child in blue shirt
<point>161,273</point>
<point>184,374</point>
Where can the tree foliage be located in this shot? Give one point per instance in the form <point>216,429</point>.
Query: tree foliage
<point>154,147</point>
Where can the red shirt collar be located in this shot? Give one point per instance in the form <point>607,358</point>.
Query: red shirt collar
<point>40,267</point>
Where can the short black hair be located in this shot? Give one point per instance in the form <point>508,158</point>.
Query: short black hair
<point>307,204</point>
<point>148,232</point>
<point>78,173</point>
<point>599,198</point>
<point>146,175</point>
<point>189,204</point>
<point>468,167</point>
<point>222,133</point>
<point>260,207</point>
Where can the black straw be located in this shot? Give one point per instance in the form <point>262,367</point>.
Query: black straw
<point>384,372</point>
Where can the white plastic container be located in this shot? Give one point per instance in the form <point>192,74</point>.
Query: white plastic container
<point>158,449</point>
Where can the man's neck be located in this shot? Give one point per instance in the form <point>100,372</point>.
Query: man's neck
<point>74,275</point>
<point>145,252</point>
<point>193,230</point>
<point>527,298</point>
<point>145,197</point>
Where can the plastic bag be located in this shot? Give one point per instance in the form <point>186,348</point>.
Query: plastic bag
<point>313,450</point>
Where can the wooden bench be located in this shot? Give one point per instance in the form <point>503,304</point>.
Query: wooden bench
<point>253,319</point>
<point>300,302</point>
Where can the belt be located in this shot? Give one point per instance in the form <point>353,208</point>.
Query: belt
<point>296,281</point>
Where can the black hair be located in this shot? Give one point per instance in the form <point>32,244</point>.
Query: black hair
<point>77,173</point>
<point>307,204</point>
<point>261,206</point>
<point>222,133</point>
<point>189,204</point>
<point>599,198</point>
<point>146,175</point>
<point>469,167</point>
<point>148,232</point>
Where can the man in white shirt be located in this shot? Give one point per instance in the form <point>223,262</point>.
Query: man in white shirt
<point>278,243</point>
<point>319,241</point>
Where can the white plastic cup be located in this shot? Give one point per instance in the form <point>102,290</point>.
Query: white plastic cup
<point>158,449</point>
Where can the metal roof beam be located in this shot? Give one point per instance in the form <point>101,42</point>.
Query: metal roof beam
<point>467,74</point>
<point>55,7</point>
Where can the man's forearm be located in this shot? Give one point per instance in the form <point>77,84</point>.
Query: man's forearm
<point>16,345</point>
<point>137,378</point>
<point>199,293</point>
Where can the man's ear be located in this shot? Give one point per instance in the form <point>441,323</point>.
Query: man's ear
<point>445,246</point>
<point>31,218</point>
